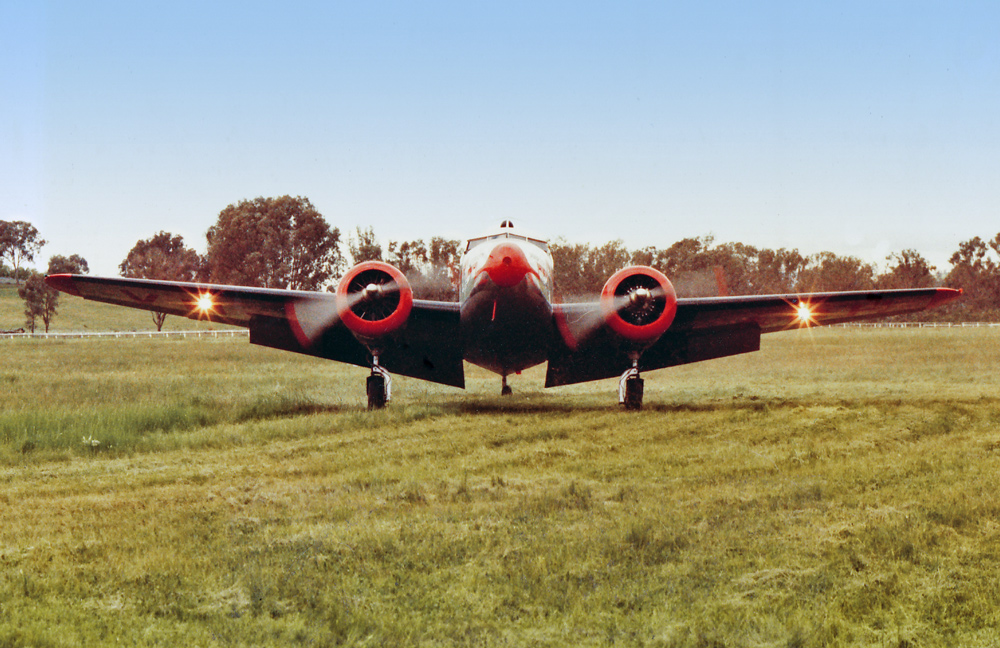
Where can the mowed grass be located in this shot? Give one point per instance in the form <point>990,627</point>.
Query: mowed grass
<point>838,488</point>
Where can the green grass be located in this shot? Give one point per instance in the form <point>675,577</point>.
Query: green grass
<point>838,488</point>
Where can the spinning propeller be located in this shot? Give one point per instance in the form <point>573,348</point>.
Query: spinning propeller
<point>373,300</point>
<point>638,304</point>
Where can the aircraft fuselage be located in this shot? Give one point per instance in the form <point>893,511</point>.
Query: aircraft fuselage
<point>504,321</point>
<point>506,301</point>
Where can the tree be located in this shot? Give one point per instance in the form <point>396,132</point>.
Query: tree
<point>407,255</point>
<point>444,252</point>
<point>908,269</point>
<point>432,269</point>
<point>40,301</point>
<point>698,268</point>
<point>775,271</point>
<point>439,279</point>
<point>684,255</point>
<point>75,264</point>
<point>579,271</point>
<point>161,256</point>
<point>828,272</point>
<point>604,261</point>
<point>273,243</point>
<point>976,270</point>
<point>693,266</point>
<point>568,263</point>
<point>364,246</point>
<point>19,242</point>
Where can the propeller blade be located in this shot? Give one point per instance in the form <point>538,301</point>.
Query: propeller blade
<point>580,325</point>
<point>309,317</point>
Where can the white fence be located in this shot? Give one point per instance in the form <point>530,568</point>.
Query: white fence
<point>130,334</point>
<point>244,332</point>
<point>918,324</point>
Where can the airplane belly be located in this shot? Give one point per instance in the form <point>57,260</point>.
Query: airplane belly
<point>506,330</point>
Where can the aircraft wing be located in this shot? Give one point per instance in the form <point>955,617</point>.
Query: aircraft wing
<point>715,327</point>
<point>428,348</point>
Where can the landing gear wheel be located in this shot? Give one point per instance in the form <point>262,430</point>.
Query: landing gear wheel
<point>633,393</point>
<point>379,385</point>
<point>505,389</point>
<point>376,392</point>
<point>630,388</point>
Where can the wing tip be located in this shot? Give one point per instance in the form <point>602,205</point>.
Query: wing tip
<point>63,283</point>
<point>943,296</point>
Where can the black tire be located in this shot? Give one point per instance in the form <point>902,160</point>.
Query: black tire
<point>506,390</point>
<point>633,393</point>
<point>376,392</point>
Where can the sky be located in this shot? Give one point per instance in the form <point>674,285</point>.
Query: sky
<point>858,127</point>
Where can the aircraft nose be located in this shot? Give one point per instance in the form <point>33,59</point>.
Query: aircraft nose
<point>507,265</point>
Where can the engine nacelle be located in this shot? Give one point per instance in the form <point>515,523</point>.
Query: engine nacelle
<point>639,304</point>
<point>374,300</point>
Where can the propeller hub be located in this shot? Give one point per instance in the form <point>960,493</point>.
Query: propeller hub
<point>374,300</point>
<point>639,304</point>
<point>640,297</point>
<point>372,291</point>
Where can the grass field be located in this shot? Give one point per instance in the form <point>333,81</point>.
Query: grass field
<point>839,488</point>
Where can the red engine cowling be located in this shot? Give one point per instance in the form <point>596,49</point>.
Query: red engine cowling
<point>374,300</point>
<point>639,304</point>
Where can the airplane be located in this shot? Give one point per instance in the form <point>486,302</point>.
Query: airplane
<point>505,320</point>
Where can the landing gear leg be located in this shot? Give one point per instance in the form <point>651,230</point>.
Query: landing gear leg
<point>505,389</point>
<point>379,386</point>
<point>630,387</point>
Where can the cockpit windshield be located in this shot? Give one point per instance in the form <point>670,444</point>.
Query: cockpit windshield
<point>507,235</point>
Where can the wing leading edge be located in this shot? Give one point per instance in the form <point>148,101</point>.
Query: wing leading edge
<point>715,327</point>
<point>428,348</point>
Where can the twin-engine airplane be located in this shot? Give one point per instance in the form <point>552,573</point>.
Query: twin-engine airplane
<point>504,321</point>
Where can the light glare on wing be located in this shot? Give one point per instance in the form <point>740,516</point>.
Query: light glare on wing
<point>205,303</point>
<point>804,314</point>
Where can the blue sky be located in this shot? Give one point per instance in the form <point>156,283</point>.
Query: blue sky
<point>857,127</point>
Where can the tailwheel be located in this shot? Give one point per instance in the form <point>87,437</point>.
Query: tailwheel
<point>379,386</point>
<point>505,389</point>
<point>630,388</point>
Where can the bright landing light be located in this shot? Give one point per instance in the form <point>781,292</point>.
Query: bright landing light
<point>205,303</point>
<point>803,313</point>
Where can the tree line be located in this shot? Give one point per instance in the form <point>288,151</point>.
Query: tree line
<point>281,242</point>
<point>285,242</point>
<point>699,267</point>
